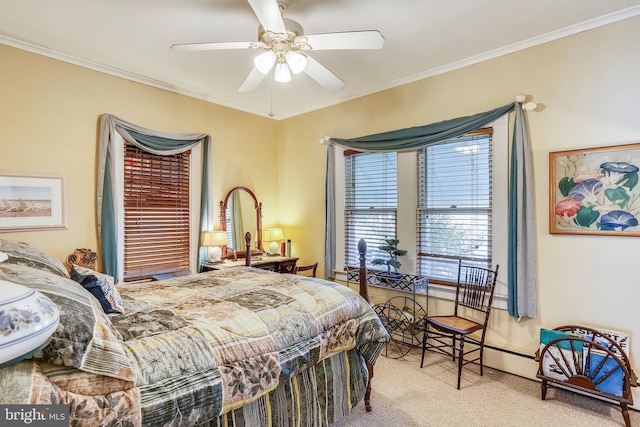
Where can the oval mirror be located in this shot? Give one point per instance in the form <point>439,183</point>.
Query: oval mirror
<point>240,212</point>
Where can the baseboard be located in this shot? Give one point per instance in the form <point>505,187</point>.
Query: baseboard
<point>498,358</point>
<point>525,366</point>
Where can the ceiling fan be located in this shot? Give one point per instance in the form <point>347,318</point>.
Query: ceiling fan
<point>286,47</point>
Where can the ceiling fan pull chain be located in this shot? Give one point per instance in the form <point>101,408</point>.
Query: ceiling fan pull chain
<point>271,95</point>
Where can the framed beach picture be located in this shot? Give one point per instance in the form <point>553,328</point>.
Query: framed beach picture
<point>31,202</point>
<point>595,191</point>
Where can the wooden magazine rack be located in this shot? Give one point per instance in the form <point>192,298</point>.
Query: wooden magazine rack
<point>588,361</point>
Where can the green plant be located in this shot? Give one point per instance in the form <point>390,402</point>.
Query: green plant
<point>390,246</point>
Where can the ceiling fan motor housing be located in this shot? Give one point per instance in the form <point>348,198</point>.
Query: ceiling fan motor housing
<point>268,37</point>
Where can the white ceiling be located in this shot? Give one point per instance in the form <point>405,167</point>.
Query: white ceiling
<point>132,39</point>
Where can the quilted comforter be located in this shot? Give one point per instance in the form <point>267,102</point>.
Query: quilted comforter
<point>192,350</point>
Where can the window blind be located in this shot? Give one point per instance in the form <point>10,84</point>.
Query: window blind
<point>454,205</point>
<point>371,199</point>
<point>156,213</point>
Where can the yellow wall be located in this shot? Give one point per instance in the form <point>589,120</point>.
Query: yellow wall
<point>49,115</point>
<point>588,89</point>
<point>587,86</point>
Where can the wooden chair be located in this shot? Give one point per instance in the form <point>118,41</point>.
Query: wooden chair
<point>449,334</point>
<point>313,267</point>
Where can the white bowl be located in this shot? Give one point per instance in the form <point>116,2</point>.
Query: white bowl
<point>27,321</point>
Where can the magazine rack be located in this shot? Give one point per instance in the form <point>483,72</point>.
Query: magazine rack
<point>586,360</point>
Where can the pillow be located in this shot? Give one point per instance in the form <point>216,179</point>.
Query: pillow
<point>85,338</point>
<point>24,254</point>
<point>101,286</point>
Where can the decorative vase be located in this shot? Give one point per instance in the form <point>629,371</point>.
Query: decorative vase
<point>27,321</point>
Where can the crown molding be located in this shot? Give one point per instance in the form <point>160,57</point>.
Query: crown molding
<point>515,47</point>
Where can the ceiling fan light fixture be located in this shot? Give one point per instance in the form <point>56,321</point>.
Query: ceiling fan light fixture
<point>296,60</point>
<point>282,73</point>
<point>264,62</point>
<point>282,46</point>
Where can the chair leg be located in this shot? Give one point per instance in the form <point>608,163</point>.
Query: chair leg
<point>481,358</point>
<point>424,343</point>
<point>453,347</point>
<point>460,359</point>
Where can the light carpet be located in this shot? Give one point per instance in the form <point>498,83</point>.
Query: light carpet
<point>405,395</point>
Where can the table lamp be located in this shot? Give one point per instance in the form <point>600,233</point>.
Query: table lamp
<point>275,236</point>
<point>215,239</point>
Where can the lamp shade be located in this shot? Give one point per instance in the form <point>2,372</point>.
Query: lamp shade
<point>282,73</point>
<point>27,321</point>
<point>215,238</point>
<point>296,60</point>
<point>265,61</point>
<point>274,235</point>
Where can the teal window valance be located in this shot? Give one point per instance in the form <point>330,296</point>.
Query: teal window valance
<point>410,139</point>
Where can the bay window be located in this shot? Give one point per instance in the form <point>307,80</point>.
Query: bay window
<point>444,202</point>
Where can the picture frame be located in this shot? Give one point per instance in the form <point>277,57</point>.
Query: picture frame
<point>31,202</point>
<point>595,191</point>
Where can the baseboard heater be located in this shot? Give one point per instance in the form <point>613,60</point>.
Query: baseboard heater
<point>515,353</point>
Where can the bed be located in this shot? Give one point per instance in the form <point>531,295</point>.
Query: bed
<point>234,347</point>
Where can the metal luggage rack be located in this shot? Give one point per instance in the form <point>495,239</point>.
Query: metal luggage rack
<point>401,315</point>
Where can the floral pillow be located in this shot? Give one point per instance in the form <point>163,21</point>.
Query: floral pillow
<point>24,254</point>
<point>85,338</point>
<point>101,286</point>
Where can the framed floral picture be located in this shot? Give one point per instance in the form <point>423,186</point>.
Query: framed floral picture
<point>595,191</point>
<point>31,202</point>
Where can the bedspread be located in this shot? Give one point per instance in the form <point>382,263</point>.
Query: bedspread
<point>227,337</point>
<point>204,345</point>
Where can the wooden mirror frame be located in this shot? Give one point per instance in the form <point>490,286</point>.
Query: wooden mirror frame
<point>258,208</point>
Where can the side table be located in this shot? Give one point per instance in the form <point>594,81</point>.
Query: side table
<point>278,264</point>
<point>401,315</point>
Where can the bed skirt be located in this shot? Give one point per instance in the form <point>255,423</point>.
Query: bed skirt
<point>314,397</point>
<point>318,396</point>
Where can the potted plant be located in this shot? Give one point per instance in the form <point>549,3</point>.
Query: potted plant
<point>390,246</point>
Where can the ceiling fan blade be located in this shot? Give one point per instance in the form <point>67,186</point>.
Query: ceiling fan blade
<point>322,75</point>
<point>252,81</point>
<point>268,13</point>
<point>196,47</point>
<point>370,39</point>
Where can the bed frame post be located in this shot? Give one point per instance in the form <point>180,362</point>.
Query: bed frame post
<point>247,256</point>
<point>364,292</point>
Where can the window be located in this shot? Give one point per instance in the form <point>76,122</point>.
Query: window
<point>371,201</point>
<point>493,153</point>
<point>156,213</point>
<point>454,205</point>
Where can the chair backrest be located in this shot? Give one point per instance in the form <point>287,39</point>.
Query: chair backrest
<point>312,267</point>
<point>475,289</point>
